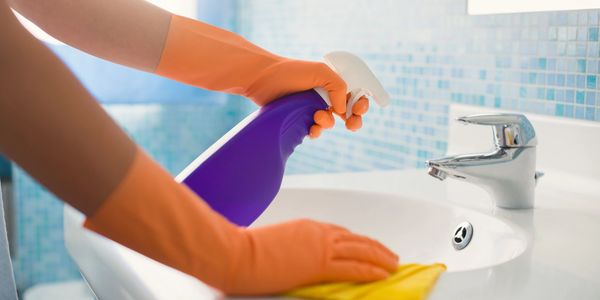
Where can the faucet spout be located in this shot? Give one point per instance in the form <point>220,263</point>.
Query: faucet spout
<point>507,172</point>
<point>437,173</point>
<point>466,166</point>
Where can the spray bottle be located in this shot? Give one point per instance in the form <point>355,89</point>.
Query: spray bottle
<point>241,173</point>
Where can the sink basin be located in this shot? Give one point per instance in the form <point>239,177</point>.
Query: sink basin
<point>419,231</point>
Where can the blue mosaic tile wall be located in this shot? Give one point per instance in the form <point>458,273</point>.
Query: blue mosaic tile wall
<point>429,54</point>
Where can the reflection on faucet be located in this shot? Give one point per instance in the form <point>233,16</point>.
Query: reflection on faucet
<point>508,171</point>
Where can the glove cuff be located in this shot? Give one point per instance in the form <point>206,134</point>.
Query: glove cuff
<point>151,213</point>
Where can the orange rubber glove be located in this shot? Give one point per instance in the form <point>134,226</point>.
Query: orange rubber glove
<point>208,57</point>
<point>154,215</point>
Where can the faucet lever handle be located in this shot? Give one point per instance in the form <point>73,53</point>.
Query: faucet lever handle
<point>493,119</point>
<point>510,130</point>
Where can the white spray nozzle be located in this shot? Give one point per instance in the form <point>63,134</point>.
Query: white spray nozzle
<point>358,77</point>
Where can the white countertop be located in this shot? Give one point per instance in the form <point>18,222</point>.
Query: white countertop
<point>562,260</point>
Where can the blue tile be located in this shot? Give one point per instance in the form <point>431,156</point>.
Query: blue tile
<point>582,34</point>
<point>540,93</point>
<point>561,48</point>
<point>560,95</point>
<point>581,65</point>
<point>562,33</point>
<point>590,98</point>
<point>573,17</point>
<point>551,79</point>
<point>581,49</point>
<point>532,77</point>
<point>497,102</point>
<point>568,111</point>
<point>542,63</point>
<point>591,81</point>
<point>592,49</point>
<point>550,94</point>
<point>560,79</point>
<point>559,110</point>
<point>581,80</point>
<point>592,66</point>
<point>522,92</point>
<point>541,79</point>
<point>579,97</point>
<point>593,34</point>
<point>579,112</point>
<point>572,33</point>
<point>571,80</point>
<point>582,18</point>
<point>551,64</point>
<point>552,33</point>
<point>570,95</point>
<point>593,17</point>
<point>560,18</point>
<point>481,100</point>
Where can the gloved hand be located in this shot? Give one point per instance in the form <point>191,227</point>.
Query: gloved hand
<point>154,215</point>
<point>276,258</point>
<point>324,118</point>
<point>212,58</point>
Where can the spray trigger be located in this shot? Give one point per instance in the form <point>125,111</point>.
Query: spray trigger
<point>358,77</point>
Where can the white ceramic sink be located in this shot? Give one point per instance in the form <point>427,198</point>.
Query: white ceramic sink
<point>549,252</point>
<point>419,231</point>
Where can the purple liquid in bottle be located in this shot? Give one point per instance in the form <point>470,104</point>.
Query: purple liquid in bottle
<point>242,176</point>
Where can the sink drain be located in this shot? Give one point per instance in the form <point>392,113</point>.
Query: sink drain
<point>462,235</point>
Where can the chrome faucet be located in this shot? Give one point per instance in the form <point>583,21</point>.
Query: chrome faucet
<point>508,171</point>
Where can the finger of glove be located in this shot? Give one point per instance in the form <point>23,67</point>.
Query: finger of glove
<point>354,122</point>
<point>324,118</point>
<point>315,131</point>
<point>334,85</point>
<point>361,106</point>
<point>363,239</point>
<point>363,252</point>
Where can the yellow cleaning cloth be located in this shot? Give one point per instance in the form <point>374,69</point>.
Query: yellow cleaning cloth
<point>410,281</point>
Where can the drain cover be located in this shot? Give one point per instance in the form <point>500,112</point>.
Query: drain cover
<point>462,235</point>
